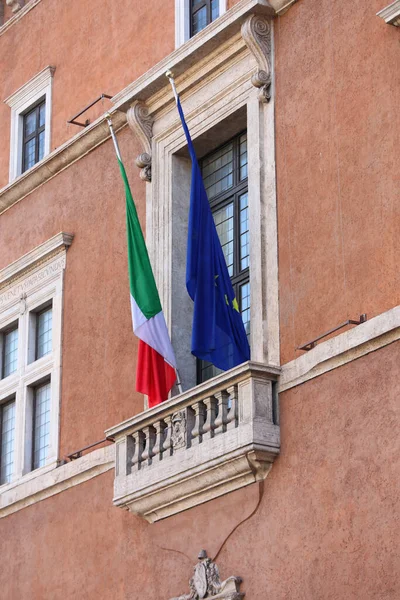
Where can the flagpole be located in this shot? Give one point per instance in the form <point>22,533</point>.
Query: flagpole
<point>114,139</point>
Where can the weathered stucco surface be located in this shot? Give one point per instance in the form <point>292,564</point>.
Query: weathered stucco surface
<point>337,129</point>
<point>96,47</point>
<point>327,527</point>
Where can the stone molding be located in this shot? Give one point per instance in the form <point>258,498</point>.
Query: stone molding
<point>141,123</point>
<point>230,441</point>
<point>197,50</point>
<point>35,257</point>
<point>27,6</point>
<point>256,32</point>
<point>192,52</point>
<point>206,582</point>
<point>341,349</point>
<point>391,14</point>
<point>19,97</point>
<point>44,483</point>
<point>74,149</point>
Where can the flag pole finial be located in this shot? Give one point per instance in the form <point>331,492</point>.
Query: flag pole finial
<point>169,74</point>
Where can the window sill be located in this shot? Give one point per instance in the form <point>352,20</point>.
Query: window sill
<point>183,452</point>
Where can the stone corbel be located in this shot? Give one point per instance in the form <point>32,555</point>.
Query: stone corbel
<point>141,123</point>
<point>16,5</point>
<point>256,32</point>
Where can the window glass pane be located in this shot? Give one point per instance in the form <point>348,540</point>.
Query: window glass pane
<point>199,20</point>
<point>42,114</point>
<point>10,352</point>
<point>7,414</point>
<point>245,306</point>
<point>223,219</point>
<point>30,123</point>
<point>29,154</point>
<point>44,332</point>
<point>41,145</point>
<point>243,156</point>
<point>218,171</point>
<point>244,232</point>
<point>41,425</point>
<point>214,9</point>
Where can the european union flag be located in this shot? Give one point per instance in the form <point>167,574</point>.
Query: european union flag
<point>218,334</point>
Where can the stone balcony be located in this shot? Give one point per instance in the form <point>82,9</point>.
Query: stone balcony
<point>215,438</point>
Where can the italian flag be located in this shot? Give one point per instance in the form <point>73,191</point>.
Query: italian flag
<point>155,374</point>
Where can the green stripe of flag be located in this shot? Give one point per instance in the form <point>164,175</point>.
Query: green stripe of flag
<point>141,279</point>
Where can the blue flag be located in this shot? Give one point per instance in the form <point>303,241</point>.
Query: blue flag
<point>218,333</point>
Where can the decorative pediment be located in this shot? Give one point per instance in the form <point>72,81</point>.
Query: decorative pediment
<point>206,582</point>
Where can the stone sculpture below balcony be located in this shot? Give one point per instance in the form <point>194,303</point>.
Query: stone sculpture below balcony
<point>206,582</point>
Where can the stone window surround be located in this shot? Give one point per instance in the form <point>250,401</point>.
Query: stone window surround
<point>37,88</point>
<point>235,76</point>
<point>182,20</point>
<point>26,285</point>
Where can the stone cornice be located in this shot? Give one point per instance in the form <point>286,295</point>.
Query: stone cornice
<point>81,144</point>
<point>30,87</point>
<point>18,15</point>
<point>44,483</point>
<point>190,53</point>
<point>212,40</point>
<point>391,14</point>
<point>368,337</point>
<point>34,257</point>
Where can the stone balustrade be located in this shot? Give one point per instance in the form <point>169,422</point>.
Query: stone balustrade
<point>215,438</point>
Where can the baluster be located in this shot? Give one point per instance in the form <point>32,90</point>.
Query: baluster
<point>167,444</point>
<point>138,445</point>
<point>158,443</point>
<point>209,424</point>
<point>199,415</point>
<point>232,416</point>
<point>221,420</point>
<point>150,436</point>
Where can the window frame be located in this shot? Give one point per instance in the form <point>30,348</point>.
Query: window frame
<point>30,285</point>
<point>5,402</point>
<point>183,24</point>
<point>35,135</point>
<point>4,332</point>
<point>33,92</point>
<point>222,199</point>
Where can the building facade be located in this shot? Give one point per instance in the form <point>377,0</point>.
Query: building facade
<point>285,469</point>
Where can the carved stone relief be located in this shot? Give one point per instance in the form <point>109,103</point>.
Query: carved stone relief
<point>206,583</point>
<point>141,123</point>
<point>178,435</point>
<point>256,33</point>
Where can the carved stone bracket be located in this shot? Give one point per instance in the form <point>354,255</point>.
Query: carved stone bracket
<point>16,5</point>
<point>141,123</point>
<point>206,583</point>
<point>256,33</point>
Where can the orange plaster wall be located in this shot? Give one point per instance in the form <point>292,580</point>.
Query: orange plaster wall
<point>96,47</point>
<point>99,349</point>
<point>338,143</point>
<point>327,527</point>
